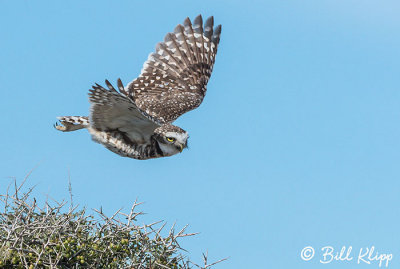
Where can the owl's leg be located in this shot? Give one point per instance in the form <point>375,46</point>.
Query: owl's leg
<point>71,123</point>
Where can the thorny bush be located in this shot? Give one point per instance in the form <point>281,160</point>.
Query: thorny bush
<point>57,236</point>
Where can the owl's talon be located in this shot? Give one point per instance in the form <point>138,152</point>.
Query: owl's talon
<point>61,127</point>
<point>64,126</point>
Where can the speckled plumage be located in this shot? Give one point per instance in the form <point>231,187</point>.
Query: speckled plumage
<point>135,121</point>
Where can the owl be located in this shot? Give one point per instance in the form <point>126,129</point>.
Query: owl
<point>136,120</point>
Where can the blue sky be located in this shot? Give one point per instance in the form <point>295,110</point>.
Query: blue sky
<point>296,143</point>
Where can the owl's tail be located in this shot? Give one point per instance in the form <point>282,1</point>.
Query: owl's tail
<point>71,123</point>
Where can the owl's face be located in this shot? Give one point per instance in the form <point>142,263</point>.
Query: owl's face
<point>171,139</point>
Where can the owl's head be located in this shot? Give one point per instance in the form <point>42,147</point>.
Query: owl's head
<point>171,139</point>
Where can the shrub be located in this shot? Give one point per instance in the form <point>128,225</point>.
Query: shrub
<point>58,236</point>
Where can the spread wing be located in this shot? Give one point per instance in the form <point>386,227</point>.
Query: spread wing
<point>113,111</point>
<point>174,78</point>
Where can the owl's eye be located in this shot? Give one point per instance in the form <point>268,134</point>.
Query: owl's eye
<point>170,139</point>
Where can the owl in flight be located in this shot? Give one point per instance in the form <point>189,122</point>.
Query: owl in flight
<point>136,120</point>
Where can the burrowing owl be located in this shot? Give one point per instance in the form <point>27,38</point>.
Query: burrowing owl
<point>136,120</point>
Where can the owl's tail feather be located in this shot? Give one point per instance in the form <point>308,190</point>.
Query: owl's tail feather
<point>72,123</point>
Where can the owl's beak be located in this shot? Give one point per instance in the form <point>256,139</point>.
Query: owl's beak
<point>181,146</point>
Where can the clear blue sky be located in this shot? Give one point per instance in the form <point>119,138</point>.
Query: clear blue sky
<point>296,143</point>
